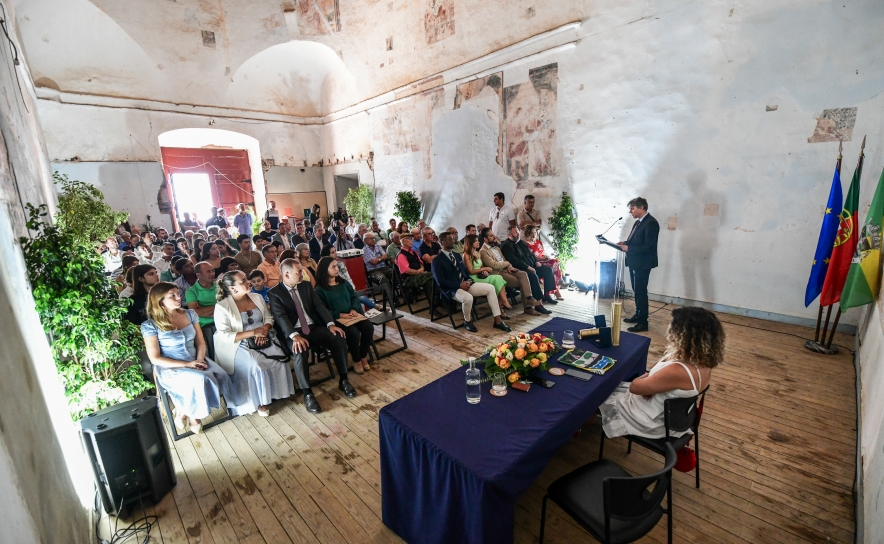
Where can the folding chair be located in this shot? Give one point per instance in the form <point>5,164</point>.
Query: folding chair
<point>409,292</point>
<point>385,317</point>
<point>219,415</point>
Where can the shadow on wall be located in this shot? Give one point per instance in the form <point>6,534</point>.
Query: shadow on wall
<point>699,221</point>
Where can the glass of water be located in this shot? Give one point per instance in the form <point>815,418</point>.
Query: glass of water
<point>568,340</point>
<point>498,383</point>
<point>474,391</point>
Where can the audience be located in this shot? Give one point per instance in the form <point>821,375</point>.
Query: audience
<point>224,249</point>
<point>229,264</point>
<point>144,253</point>
<point>528,216</point>
<point>455,284</point>
<point>267,232</point>
<point>695,346</point>
<point>242,221</point>
<point>212,255</point>
<point>377,263</point>
<point>308,264</point>
<point>164,262</point>
<point>392,228</point>
<point>248,260</point>
<point>517,252</point>
<point>458,244</point>
<point>302,319</point>
<point>124,287</point>
<point>351,227</point>
<point>314,214</point>
<point>188,224</point>
<point>380,236</point>
<point>113,257</point>
<point>272,215</point>
<point>535,244</point>
<point>415,276</point>
<point>359,242</point>
<point>258,373</point>
<point>224,236</point>
<point>342,302</point>
<point>416,244</point>
<point>316,244</point>
<point>501,217</point>
<point>198,244</point>
<point>203,294</point>
<point>186,276</point>
<point>483,274</point>
<point>493,258</point>
<point>402,228</point>
<point>300,236</point>
<point>330,251</point>
<point>429,247</point>
<point>281,237</point>
<point>144,276</point>
<point>269,266</point>
<point>177,350</point>
<point>394,246</point>
<point>256,278</point>
<point>218,219</point>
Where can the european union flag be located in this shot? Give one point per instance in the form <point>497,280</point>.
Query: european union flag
<point>831,220</point>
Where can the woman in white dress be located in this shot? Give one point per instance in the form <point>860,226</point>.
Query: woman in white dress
<point>696,346</point>
<point>258,375</point>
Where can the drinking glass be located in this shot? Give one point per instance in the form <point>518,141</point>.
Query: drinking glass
<point>568,340</point>
<point>498,383</point>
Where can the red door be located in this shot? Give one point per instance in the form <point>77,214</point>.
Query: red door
<point>228,171</point>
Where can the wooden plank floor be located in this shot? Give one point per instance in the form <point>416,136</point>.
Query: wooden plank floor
<point>778,440</point>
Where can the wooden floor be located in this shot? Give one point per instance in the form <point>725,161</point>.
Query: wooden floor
<point>777,439</point>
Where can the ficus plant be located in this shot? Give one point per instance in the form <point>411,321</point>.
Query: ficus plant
<point>94,348</point>
<point>82,212</point>
<point>563,230</point>
<point>408,207</point>
<point>359,204</point>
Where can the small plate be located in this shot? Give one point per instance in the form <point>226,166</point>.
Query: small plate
<point>557,371</point>
<point>496,394</point>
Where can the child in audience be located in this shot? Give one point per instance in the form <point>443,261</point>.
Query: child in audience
<point>257,280</point>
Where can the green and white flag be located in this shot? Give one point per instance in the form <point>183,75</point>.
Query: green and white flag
<point>861,286</point>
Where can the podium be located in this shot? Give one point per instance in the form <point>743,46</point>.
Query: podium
<point>609,272</point>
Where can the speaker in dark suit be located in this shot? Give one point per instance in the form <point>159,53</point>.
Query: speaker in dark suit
<point>299,314</point>
<point>641,257</point>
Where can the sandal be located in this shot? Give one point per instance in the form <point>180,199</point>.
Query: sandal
<point>197,428</point>
<point>366,367</point>
<point>358,368</point>
<point>265,412</point>
<point>181,422</point>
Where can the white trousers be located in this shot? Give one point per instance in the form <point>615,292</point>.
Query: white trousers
<point>477,290</point>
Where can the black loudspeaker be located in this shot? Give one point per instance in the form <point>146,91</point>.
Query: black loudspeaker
<point>129,451</point>
<point>608,279</point>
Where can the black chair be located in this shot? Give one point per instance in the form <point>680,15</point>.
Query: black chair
<point>679,415</point>
<point>209,337</point>
<point>410,295</point>
<point>612,505</point>
<point>385,317</point>
<point>219,415</point>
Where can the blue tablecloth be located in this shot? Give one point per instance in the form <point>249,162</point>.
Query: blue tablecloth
<point>451,471</point>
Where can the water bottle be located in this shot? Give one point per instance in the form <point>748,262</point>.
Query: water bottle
<point>474,390</point>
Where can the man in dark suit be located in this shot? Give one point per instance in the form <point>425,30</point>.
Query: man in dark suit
<point>455,284</point>
<point>517,252</point>
<point>302,319</point>
<point>641,257</point>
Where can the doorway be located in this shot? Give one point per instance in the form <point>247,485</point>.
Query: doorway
<point>343,184</point>
<point>193,194</point>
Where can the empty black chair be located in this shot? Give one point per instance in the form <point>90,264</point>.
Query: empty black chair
<point>612,505</point>
<point>679,415</point>
<point>385,317</point>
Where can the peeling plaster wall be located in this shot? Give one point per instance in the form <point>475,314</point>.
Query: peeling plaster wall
<point>703,108</point>
<point>870,359</point>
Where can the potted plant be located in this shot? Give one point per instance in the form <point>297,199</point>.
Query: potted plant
<point>359,204</point>
<point>563,230</point>
<point>408,207</point>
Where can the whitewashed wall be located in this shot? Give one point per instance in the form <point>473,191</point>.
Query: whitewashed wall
<point>870,340</point>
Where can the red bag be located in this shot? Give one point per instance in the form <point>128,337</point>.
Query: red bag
<point>687,459</point>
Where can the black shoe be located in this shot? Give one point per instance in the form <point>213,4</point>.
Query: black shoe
<point>348,389</point>
<point>633,319</point>
<point>468,325</point>
<point>542,310</point>
<point>503,326</point>
<point>549,300</point>
<point>638,327</point>
<point>311,404</point>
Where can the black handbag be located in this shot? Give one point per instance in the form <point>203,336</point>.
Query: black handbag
<point>252,343</point>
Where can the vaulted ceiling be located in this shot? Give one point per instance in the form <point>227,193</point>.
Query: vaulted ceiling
<point>303,58</point>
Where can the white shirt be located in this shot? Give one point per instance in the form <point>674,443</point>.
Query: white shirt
<point>113,262</point>
<point>352,230</point>
<point>297,322</point>
<point>500,220</point>
<point>162,265</point>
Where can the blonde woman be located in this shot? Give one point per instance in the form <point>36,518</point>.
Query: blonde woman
<point>307,263</point>
<point>177,349</point>
<point>258,375</point>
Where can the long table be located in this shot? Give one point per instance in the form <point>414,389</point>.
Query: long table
<point>451,472</point>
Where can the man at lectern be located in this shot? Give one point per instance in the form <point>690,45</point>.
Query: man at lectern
<point>641,256</point>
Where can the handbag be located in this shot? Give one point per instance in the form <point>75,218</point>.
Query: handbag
<point>687,459</point>
<point>252,343</point>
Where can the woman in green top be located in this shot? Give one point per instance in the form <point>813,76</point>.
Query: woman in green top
<point>483,274</point>
<point>342,302</point>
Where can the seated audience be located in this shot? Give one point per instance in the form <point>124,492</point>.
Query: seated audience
<point>330,251</point>
<point>163,262</point>
<point>113,257</point>
<point>169,275</point>
<point>228,264</point>
<point>392,228</point>
<point>402,228</point>
<point>308,265</point>
<point>186,276</point>
<point>203,294</point>
<point>519,255</point>
<point>212,254</point>
<point>429,247</point>
<point>535,244</point>
<point>483,274</point>
<point>256,279</point>
<point>493,258</point>
<point>224,249</point>
<point>300,236</point>
<point>380,236</point>
<point>269,266</point>
<point>281,238</point>
<point>341,240</point>
<point>316,243</point>
<point>224,236</point>
<point>177,349</point>
<point>418,240</point>
<point>414,275</point>
<point>358,241</point>
<point>341,301</point>
<point>376,260</point>
<point>144,253</point>
<point>394,246</point>
<point>258,376</point>
<point>471,229</point>
<point>259,242</point>
<point>288,254</point>
<point>458,244</point>
<point>123,287</point>
<point>248,260</point>
<point>696,342</point>
<point>455,284</point>
<point>267,232</point>
<point>198,244</point>
<point>303,320</point>
<point>351,226</point>
<point>183,248</point>
<point>126,243</point>
<point>144,276</point>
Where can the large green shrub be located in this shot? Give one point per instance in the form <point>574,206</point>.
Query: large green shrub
<point>408,207</point>
<point>82,212</point>
<point>563,230</point>
<point>359,204</point>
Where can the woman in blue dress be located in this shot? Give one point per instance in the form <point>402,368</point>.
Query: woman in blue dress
<point>177,349</point>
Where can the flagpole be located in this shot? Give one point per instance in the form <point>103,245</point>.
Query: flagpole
<point>834,326</point>
<point>819,317</point>
<point>816,337</point>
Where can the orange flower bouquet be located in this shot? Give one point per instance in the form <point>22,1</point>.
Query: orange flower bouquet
<point>520,356</point>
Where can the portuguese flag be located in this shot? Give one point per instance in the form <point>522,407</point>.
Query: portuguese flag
<point>862,279</point>
<point>845,243</point>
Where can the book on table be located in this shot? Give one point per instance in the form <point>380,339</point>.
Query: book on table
<point>587,360</point>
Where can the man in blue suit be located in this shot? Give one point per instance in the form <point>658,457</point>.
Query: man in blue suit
<point>455,283</point>
<point>641,256</point>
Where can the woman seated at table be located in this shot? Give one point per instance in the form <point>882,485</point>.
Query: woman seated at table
<point>259,375</point>
<point>341,301</point>
<point>308,264</point>
<point>484,274</point>
<point>532,238</point>
<point>177,349</point>
<point>695,346</point>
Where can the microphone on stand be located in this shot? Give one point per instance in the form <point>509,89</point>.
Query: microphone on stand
<point>602,235</point>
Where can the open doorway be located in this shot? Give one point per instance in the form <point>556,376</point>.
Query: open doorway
<point>193,195</point>
<point>343,184</point>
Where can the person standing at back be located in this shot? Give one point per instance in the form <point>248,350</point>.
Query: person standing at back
<point>641,256</point>
<point>501,217</point>
<point>272,215</point>
<point>243,220</point>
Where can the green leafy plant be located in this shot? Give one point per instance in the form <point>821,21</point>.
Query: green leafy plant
<point>95,350</point>
<point>359,204</point>
<point>82,212</point>
<point>408,207</point>
<point>257,222</point>
<point>563,230</point>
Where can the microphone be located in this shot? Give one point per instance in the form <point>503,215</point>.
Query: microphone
<point>609,228</point>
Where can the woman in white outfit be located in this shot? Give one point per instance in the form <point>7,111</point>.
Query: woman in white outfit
<point>258,375</point>
<point>696,346</point>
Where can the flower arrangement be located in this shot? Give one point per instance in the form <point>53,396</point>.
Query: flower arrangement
<point>520,356</point>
